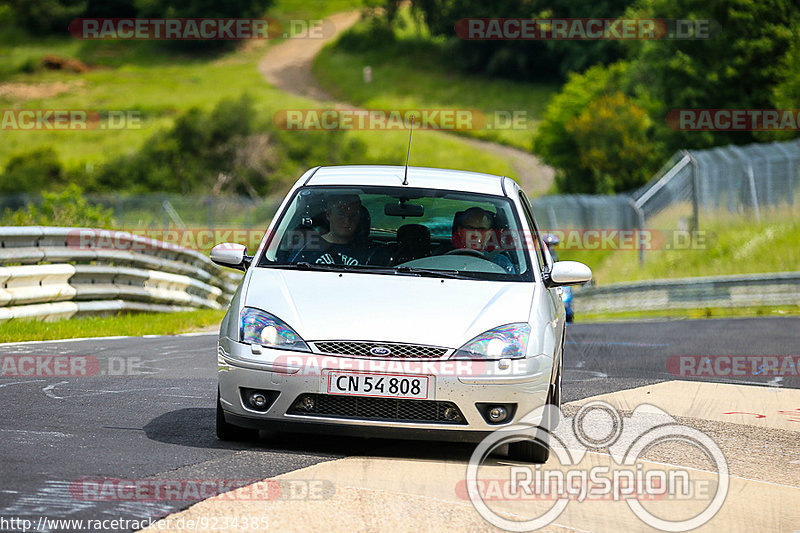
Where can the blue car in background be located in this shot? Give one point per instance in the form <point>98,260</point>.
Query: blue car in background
<point>566,292</point>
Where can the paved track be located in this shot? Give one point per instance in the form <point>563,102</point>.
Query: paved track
<point>155,420</point>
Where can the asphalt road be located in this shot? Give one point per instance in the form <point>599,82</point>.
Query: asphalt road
<point>147,412</point>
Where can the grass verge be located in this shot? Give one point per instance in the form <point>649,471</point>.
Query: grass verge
<point>122,324</point>
<point>727,244</point>
<point>158,85</point>
<point>414,71</point>
<point>706,312</point>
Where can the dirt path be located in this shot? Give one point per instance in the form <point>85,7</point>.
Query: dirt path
<point>287,66</point>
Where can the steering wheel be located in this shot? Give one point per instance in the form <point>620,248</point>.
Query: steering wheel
<point>466,251</point>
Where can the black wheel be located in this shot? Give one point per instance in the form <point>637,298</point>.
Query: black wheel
<point>531,451</point>
<point>229,432</point>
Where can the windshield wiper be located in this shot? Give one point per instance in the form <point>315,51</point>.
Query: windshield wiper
<point>452,274</point>
<point>370,269</point>
<point>335,267</point>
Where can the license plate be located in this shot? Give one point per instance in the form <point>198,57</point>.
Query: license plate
<point>378,385</point>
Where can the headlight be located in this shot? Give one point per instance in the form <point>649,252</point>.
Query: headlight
<point>509,341</point>
<point>260,327</point>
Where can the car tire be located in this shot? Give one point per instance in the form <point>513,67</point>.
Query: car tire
<point>229,432</point>
<point>537,450</point>
<point>531,451</point>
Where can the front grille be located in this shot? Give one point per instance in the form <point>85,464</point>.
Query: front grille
<point>385,409</point>
<point>362,349</point>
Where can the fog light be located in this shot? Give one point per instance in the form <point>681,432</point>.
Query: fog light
<point>497,414</point>
<point>258,400</point>
<point>450,413</point>
<point>307,403</point>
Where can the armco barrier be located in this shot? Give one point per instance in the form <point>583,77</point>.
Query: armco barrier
<point>691,293</point>
<point>56,272</point>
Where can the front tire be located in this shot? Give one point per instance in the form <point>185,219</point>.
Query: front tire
<point>531,451</point>
<point>537,450</point>
<point>229,432</point>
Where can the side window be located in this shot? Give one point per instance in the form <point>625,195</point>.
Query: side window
<point>537,243</point>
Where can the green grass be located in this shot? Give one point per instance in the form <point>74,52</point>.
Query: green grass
<point>123,324</point>
<point>145,78</point>
<point>417,72</point>
<point>734,244</point>
<point>706,312</point>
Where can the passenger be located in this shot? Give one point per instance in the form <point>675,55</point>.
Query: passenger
<point>345,242</point>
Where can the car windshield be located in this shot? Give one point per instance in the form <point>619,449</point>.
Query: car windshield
<point>400,230</point>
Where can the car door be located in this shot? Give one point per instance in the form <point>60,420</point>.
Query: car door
<point>544,262</point>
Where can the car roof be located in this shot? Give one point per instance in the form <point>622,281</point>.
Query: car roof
<point>426,178</point>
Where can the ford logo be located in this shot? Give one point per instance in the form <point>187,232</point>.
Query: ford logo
<point>380,350</point>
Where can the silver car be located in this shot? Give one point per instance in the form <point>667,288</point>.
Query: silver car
<point>404,303</point>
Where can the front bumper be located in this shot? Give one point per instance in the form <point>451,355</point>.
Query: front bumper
<point>467,384</point>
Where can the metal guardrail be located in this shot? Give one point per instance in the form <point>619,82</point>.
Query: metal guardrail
<point>691,293</point>
<point>58,272</point>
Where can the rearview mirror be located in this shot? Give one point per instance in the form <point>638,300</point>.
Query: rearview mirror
<point>404,210</point>
<point>569,273</point>
<point>231,255</point>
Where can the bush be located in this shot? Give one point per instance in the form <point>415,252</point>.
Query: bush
<point>53,16</point>
<point>225,149</point>
<point>47,16</point>
<point>32,172</point>
<point>67,208</point>
<point>190,155</point>
<point>201,8</point>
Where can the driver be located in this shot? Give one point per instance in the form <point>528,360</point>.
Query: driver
<point>474,232</point>
<point>342,244</point>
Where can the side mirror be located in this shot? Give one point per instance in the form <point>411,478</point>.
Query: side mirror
<point>569,273</point>
<point>232,255</point>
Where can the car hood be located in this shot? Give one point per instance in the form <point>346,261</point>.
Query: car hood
<point>388,308</point>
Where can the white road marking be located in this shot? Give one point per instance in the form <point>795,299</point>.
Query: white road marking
<point>21,382</point>
<point>48,390</point>
<point>55,434</point>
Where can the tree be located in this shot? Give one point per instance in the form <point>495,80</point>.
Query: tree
<point>613,136</point>
<point>590,122</point>
<point>737,68</point>
<point>519,59</point>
